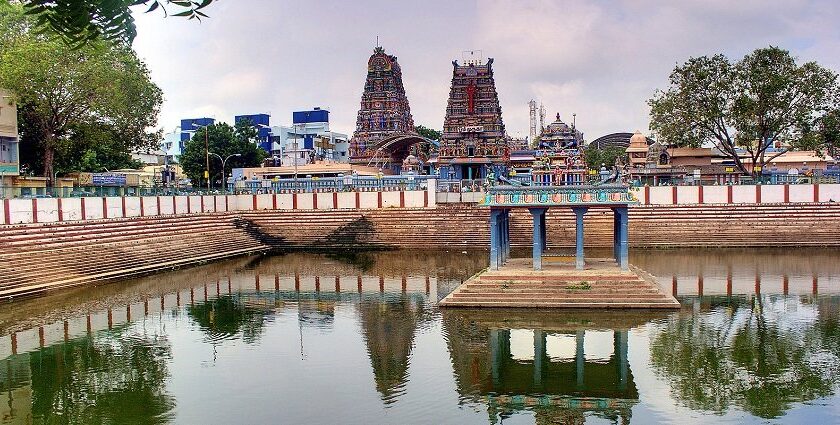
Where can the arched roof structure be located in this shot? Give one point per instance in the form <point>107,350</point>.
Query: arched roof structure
<point>621,140</point>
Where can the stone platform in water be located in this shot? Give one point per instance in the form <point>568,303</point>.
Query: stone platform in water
<point>601,284</point>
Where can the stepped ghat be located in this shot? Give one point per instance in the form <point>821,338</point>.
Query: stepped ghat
<point>593,283</point>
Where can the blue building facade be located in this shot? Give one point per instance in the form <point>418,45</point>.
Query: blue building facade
<point>189,126</point>
<point>261,122</point>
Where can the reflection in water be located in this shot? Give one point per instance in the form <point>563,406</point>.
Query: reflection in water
<point>389,325</point>
<point>761,354</point>
<point>227,317</point>
<point>556,389</point>
<point>117,376</point>
<point>740,349</point>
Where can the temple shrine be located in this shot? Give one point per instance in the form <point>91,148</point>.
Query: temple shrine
<point>384,114</point>
<point>473,142</point>
<point>556,281</point>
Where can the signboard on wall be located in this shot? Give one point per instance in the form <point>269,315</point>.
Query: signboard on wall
<point>108,179</point>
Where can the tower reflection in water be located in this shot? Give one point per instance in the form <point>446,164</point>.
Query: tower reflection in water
<point>751,325</point>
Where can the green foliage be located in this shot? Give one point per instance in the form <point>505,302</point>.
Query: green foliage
<point>69,98</point>
<point>747,355</point>
<point>223,140</point>
<point>79,22</point>
<point>761,101</point>
<point>607,156</point>
<point>427,132</point>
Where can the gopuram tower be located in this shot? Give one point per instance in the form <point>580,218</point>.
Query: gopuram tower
<point>473,140</point>
<point>384,110</point>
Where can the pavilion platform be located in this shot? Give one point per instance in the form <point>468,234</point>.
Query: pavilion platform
<point>545,281</point>
<point>601,284</point>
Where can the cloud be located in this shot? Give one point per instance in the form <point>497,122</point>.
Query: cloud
<point>600,60</point>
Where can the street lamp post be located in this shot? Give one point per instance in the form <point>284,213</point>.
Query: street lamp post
<point>224,161</point>
<point>206,153</point>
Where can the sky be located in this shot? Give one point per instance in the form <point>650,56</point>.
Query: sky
<point>600,60</point>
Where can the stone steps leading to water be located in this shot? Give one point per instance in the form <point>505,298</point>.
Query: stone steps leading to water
<point>602,285</point>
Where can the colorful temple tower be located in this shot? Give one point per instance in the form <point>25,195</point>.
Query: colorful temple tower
<point>473,140</point>
<point>384,110</point>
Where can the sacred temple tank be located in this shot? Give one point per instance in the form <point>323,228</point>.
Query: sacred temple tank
<point>384,110</point>
<point>473,140</point>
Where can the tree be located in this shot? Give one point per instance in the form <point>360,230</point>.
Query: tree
<point>607,156</point>
<point>67,93</point>
<point>427,132</point>
<point>222,140</point>
<point>829,134</point>
<point>79,22</point>
<point>762,101</point>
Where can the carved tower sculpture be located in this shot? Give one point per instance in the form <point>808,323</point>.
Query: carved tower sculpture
<point>473,141</point>
<point>384,109</point>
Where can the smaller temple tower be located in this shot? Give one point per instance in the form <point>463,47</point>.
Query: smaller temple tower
<point>384,110</point>
<point>473,141</point>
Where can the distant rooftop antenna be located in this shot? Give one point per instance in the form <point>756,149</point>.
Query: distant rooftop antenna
<point>532,106</point>
<point>472,57</point>
<point>377,41</point>
<point>542,117</point>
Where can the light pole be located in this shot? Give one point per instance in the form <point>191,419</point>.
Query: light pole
<point>224,161</point>
<point>206,153</point>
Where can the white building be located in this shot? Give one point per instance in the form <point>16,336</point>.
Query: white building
<point>305,142</point>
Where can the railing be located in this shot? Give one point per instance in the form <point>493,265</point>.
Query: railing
<point>331,184</point>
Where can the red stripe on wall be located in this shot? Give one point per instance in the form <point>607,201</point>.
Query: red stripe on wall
<point>379,199</point>
<point>274,201</point>
<point>189,208</point>
<point>758,194</point>
<point>402,199</point>
<point>700,194</point>
<point>202,203</point>
<point>674,195</point>
<point>104,207</point>
<point>142,210</point>
<point>34,210</point>
<point>787,193</point>
<point>157,202</point>
<point>294,201</point>
<point>647,195</point>
<point>335,200</point>
<point>123,207</point>
<point>254,202</point>
<point>729,194</point>
<point>314,201</point>
<point>816,193</point>
<point>84,214</point>
<point>425,198</point>
<point>358,201</point>
<point>8,214</point>
<point>60,212</point>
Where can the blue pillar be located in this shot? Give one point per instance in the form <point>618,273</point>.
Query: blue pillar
<point>623,250</point>
<point>579,212</point>
<point>507,235</point>
<point>616,234</point>
<point>495,239</point>
<point>544,232</point>
<point>537,214</point>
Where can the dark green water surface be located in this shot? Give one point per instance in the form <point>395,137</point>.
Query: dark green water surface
<point>306,338</point>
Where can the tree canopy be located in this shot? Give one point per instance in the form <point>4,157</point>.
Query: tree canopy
<point>72,99</point>
<point>764,100</point>
<point>607,156</point>
<point>79,22</point>
<point>222,140</point>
